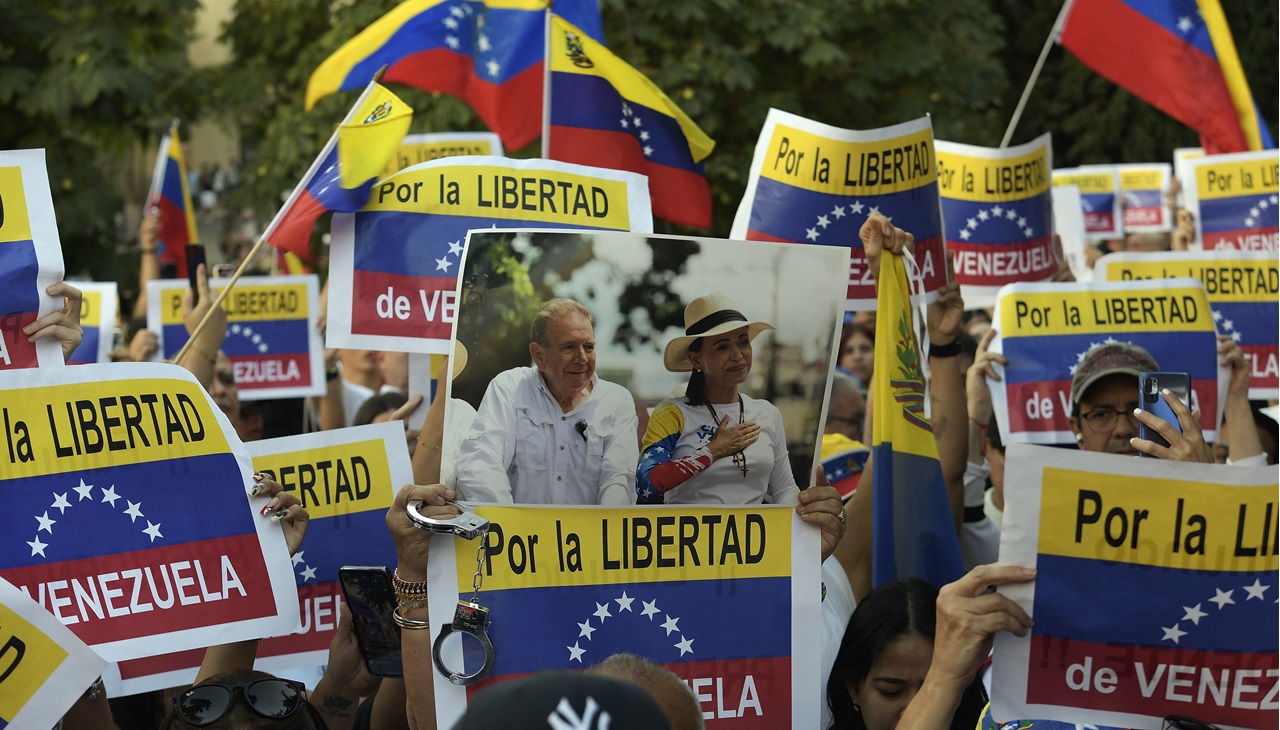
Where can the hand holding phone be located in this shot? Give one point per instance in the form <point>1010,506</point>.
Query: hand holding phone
<point>372,601</point>
<point>1150,385</point>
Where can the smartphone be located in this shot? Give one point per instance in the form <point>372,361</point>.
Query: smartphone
<point>195,257</point>
<point>1152,401</point>
<point>372,602</point>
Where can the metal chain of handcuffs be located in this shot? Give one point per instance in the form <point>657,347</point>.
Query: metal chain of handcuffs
<point>469,617</point>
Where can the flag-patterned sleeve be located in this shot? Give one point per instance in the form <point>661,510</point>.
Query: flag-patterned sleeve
<point>659,471</point>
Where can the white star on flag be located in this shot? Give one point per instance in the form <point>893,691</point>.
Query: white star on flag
<point>1172,633</point>
<point>1222,598</point>
<point>648,151</point>
<point>60,502</point>
<point>964,234</point>
<point>1216,315</point>
<point>109,495</point>
<point>1185,24</point>
<point>134,511</point>
<point>46,524</point>
<point>638,120</point>
<point>84,490</point>
<point>457,11</point>
<point>670,624</point>
<point>1193,614</point>
<point>823,221</point>
<point>983,215</point>
<point>644,135</point>
<point>971,223</point>
<point>451,23</point>
<point>1256,590</point>
<point>309,573</point>
<point>811,234</point>
<point>650,608</point>
<point>153,530</point>
<point>256,338</point>
<point>263,347</point>
<point>856,207</point>
<point>838,211</point>
<point>997,211</point>
<point>452,41</point>
<point>1253,213</point>
<point>874,209</point>
<point>684,645</point>
<point>602,612</point>
<point>625,124</point>
<point>455,248</point>
<point>586,629</point>
<point>624,603</point>
<point>483,43</point>
<point>37,547</point>
<point>1229,324</point>
<point>575,652</point>
<point>297,558</point>
<point>494,67</point>
<point>443,264</point>
<point>1011,214</point>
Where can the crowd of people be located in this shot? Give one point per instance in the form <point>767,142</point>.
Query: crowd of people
<point>904,654</point>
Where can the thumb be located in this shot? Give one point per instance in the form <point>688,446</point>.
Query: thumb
<point>344,618</point>
<point>822,480</point>
<point>872,233</point>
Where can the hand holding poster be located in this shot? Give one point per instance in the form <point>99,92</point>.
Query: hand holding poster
<point>1045,330</point>
<point>273,340</point>
<point>814,183</point>
<point>30,259</point>
<point>1234,199</point>
<point>44,668</point>
<point>1099,198</point>
<point>395,263</point>
<point>1144,187</point>
<point>1244,296</point>
<point>567,587</point>
<point>1154,593</point>
<point>128,520</point>
<point>98,308</point>
<point>998,214</point>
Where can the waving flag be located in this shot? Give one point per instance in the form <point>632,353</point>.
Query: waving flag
<point>605,113</point>
<point>170,195</point>
<point>489,54</point>
<point>1154,595</point>
<point>913,532</point>
<point>568,587</point>
<point>1176,55</point>
<point>843,460</point>
<point>342,176</point>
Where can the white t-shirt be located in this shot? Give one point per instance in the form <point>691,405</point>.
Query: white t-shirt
<point>837,608</point>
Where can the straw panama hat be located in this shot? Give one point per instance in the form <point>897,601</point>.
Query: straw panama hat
<point>707,316</point>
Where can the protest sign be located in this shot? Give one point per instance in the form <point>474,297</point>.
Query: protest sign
<point>44,668</point>
<point>418,148</point>
<point>346,479</point>
<point>128,520</point>
<point>30,259</point>
<point>1099,198</point>
<point>394,265</point>
<point>1244,295</point>
<point>814,183</point>
<point>1234,199</point>
<point>1144,187</point>
<point>1181,157</point>
<point>999,215</point>
<point>273,339</point>
<point>1045,329</point>
<point>99,305</point>
<point>1154,593</point>
<point>1068,223</point>
<point>566,587</point>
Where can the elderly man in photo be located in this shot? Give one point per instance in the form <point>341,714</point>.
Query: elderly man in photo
<point>554,433</point>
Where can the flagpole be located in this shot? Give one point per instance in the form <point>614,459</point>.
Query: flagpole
<point>546,87</point>
<point>157,171</point>
<point>297,191</point>
<point>1035,74</point>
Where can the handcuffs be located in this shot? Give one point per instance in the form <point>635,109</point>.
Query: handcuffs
<point>469,617</point>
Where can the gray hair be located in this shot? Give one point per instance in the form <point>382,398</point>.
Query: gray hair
<point>555,309</point>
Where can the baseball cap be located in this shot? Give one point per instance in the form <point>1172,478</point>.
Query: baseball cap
<point>563,699</point>
<point>1109,358</point>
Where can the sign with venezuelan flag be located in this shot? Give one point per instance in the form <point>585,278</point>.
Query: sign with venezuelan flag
<point>814,183</point>
<point>1155,591</point>
<point>999,215</point>
<point>346,480</point>
<point>394,265</point>
<point>1100,198</point>
<point>1143,186</point>
<point>99,305</point>
<point>567,587</point>
<point>1236,200</point>
<point>418,148</point>
<point>1244,296</point>
<point>273,339</point>
<point>30,259</point>
<point>1045,330</point>
<point>44,668</point>
<point>126,514</point>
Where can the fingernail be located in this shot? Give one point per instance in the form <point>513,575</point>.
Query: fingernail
<point>258,476</point>
<point>254,489</point>
<point>1137,411</point>
<point>1165,391</point>
<point>279,514</point>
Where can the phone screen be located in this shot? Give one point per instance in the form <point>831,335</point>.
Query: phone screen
<point>195,257</point>
<point>372,601</point>
<point>1152,400</point>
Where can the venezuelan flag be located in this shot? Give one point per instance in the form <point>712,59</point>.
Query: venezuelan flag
<point>488,54</point>
<point>343,175</point>
<point>1176,55</point>
<point>170,194</point>
<point>605,113</point>
<point>913,532</point>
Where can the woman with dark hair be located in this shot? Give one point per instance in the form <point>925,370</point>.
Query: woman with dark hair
<point>858,352</point>
<point>716,445</point>
<point>910,654</point>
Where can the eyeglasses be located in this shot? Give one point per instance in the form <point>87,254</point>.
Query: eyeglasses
<point>1104,419</point>
<point>206,703</point>
<point>1181,722</point>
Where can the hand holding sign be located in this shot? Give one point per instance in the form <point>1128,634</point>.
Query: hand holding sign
<point>969,617</point>
<point>64,326</point>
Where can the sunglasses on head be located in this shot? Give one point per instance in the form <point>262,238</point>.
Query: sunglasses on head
<point>207,703</point>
